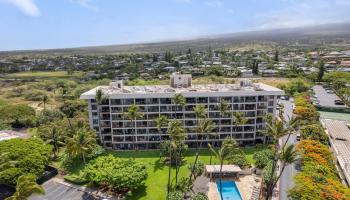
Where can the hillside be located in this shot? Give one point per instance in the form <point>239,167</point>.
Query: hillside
<point>330,34</point>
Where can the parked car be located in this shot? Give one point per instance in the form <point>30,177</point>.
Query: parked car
<point>338,102</point>
<point>298,137</point>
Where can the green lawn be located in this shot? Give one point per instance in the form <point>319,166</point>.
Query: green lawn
<point>156,183</point>
<point>155,186</point>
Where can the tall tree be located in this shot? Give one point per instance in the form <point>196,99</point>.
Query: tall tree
<point>82,143</point>
<point>204,126</point>
<point>45,99</point>
<point>276,58</point>
<point>162,121</point>
<point>228,148</point>
<point>238,118</point>
<point>321,70</point>
<point>133,114</point>
<point>99,96</point>
<point>177,135</point>
<point>179,101</point>
<point>53,134</point>
<point>223,109</point>
<point>26,186</point>
<point>277,128</point>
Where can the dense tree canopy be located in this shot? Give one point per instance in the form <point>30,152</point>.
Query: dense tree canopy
<point>30,156</point>
<point>294,87</point>
<point>117,174</point>
<point>17,115</point>
<point>319,178</point>
<point>314,132</point>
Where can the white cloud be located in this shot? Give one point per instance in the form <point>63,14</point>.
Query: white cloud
<point>182,1</point>
<point>214,3</point>
<point>230,11</point>
<point>28,7</point>
<point>304,13</point>
<point>86,4</point>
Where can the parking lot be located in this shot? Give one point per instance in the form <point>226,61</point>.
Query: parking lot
<point>325,98</point>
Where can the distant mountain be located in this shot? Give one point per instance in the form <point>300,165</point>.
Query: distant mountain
<point>328,34</point>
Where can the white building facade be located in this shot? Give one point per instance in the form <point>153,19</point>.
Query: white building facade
<point>115,131</point>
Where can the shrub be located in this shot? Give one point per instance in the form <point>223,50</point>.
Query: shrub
<point>30,156</point>
<point>34,95</point>
<point>262,158</point>
<point>75,179</point>
<point>314,132</point>
<point>198,168</point>
<point>184,185</point>
<point>199,196</point>
<point>120,175</point>
<point>176,196</point>
<point>239,159</point>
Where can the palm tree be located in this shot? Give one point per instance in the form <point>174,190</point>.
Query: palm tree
<point>45,99</point>
<point>54,137</point>
<point>238,118</point>
<point>223,108</point>
<point>177,135</point>
<point>81,143</point>
<point>228,147</point>
<point>26,186</point>
<point>204,126</point>
<point>179,101</point>
<point>99,96</point>
<point>288,156</point>
<point>133,114</point>
<point>161,121</point>
<point>277,128</point>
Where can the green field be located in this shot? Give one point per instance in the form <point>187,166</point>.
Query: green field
<point>43,75</point>
<point>156,183</point>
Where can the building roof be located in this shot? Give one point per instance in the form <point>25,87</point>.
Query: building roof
<point>225,169</point>
<point>340,141</point>
<point>337,129</point>
<point>125,91</point>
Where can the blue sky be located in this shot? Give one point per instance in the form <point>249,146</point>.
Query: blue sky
<point>41,24</point>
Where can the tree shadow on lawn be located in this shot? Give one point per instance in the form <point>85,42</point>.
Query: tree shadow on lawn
<point>158,165</point>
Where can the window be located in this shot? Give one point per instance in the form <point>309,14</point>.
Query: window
<point>116,102</point>
<point>128,101</point>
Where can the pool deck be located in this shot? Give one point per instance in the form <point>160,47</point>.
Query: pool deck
<point>245,185</point>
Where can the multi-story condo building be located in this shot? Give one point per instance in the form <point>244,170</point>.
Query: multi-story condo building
<point>116,131</point>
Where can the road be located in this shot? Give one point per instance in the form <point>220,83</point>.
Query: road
<point>286,180</point>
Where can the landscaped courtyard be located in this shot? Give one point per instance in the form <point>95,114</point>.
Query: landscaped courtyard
<point>156,182</point>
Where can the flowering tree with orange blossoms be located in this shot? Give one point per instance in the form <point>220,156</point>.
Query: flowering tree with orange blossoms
<point>318,179</point>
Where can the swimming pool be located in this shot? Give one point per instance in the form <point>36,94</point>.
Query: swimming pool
<point>229,190</point>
